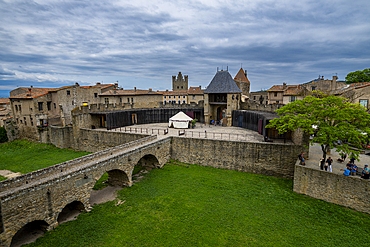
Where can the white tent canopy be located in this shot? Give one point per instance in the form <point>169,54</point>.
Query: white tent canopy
<point>180,121</point>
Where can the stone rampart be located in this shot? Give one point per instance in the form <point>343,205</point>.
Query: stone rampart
<point>270,159</point>
<point>93,140</point>
<point>61,137</point>
<point>352,192</point>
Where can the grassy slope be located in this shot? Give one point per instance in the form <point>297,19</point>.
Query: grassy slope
<point>203,206</point>
<point>24,156</point>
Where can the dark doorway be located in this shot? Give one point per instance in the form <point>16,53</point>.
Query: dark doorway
<point>240,121</point>
<point>219,113</point>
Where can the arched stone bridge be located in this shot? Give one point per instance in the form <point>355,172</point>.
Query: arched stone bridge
<point>38,198</point>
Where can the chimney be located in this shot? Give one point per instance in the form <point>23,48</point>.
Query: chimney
<point>335,78</point>
<point>77,84</point>
<point>114,92</point>
<point>200,87</point>
<point>150,90</point>
<point>98,83</point>
<point>284,85</point>
<point>31,86</point>
<point>166,90</point>
<point>135,89</point>
<point>116,84</point>
<point>29,92</point>
<point>245,73</point>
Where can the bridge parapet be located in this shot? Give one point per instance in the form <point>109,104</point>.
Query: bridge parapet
<point>61,167</point>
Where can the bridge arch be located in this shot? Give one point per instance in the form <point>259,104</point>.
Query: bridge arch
<point>70,211</point>
<point>149,161</point>
<point>29,232</point>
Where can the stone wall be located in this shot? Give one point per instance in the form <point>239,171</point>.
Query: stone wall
<point>95,140</point>
<point>255,106</point>
<point>61,137</point>
<point>351,192</point>
<point>261,158</point>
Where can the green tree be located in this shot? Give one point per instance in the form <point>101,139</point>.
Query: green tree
<point>329,118</point>
<point>3,136</point>
<point>358,76</point>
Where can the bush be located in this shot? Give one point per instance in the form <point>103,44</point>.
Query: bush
<point>3,136</point>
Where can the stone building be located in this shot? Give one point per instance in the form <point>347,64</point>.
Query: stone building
<point>5,111</point>
<point>195,95</point>
<point>260,97</point>
<point>136,98</point>
<point>284,94</point>
<point>275,93</point>
<point>242,81</point>
<point>180,83</point>
<point>221,97</point>
<point>35,108</point>
<point>174,97</point>
<point>324,85</point>
<point>355,93</point>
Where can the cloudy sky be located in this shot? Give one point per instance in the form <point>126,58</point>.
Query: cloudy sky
<point>52,43</point>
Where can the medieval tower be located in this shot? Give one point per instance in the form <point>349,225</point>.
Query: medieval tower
<point>181,83</point>
<point>242,81</point>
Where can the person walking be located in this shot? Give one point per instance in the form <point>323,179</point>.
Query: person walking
<point>329,161</point>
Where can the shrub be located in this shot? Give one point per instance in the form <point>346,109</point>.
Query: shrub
<point>3,136</point>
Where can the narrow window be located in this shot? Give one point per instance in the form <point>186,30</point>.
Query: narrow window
<point>41,106</point>
<point>106,100</point>
<point>55,106</point>
<point>25,121</point>
<point>20,108</point>
<point>68,92</point>
<point>16,108</point>
<point>49,106</point>
<point>132,100</point>
<point>95,95</point>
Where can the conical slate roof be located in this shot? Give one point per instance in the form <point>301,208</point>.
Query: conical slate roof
<point>222,82</point>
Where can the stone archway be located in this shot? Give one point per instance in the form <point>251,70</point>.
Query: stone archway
<point>118,178</point>
<point>29,233</point>
<point>70,211</point>
<point>148,161</point>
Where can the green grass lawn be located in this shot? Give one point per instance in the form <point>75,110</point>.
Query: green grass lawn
<point>204,206</point>
<point>24,156</point>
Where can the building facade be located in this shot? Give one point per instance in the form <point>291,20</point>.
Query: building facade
<point>221,97</point>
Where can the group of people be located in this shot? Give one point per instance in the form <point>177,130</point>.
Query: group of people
<point>326,164</point>
<point>351,167</point>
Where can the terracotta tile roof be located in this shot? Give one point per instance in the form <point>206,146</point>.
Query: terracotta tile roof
<point>276,88</point>
<point>129,92</point>
<point>29,95</point>
<point>61,88</point>
<point>195,90</point>
<point>240,76</point>
<point>4,101</point>
<point>293,90</point>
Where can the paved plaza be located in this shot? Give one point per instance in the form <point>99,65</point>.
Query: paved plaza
<point>200,131</point>
<point>315,155</point>
<point>238,134</point>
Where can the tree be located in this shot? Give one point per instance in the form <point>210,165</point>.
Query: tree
<point>329,119</point>
<point>3,136</point>
<point>358,76</point>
